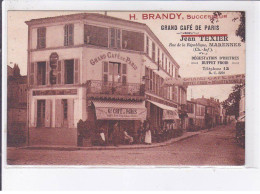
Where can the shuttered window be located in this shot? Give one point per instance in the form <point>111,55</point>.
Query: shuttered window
<point>115,38</point>
<point>59,72</point>
<point>76,71</point>
<point>153,51</point>
<point>41,37</point>
<point>147,45</point>
<point>31,79</point>
<point>68,34</point>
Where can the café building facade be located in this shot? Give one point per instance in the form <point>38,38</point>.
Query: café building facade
<point>98,68</point>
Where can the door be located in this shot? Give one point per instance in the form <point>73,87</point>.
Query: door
<point>114,76</point>
<point>114,72</point>
<point>40,113</point>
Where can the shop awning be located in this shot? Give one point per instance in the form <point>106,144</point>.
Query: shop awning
<point>120,110</point>
<point>169,113</point>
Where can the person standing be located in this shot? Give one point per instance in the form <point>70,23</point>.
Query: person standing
<point>116,134</point>
<point>148,134</point>
<point>141,132</point>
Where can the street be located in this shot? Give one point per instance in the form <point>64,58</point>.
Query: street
<point>215,147</point>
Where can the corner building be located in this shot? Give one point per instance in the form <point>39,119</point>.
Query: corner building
<point>98,68</point>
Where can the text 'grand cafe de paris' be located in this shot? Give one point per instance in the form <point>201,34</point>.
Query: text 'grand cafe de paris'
<point>96,68</point>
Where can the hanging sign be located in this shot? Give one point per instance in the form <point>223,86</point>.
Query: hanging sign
<point>210,80</point>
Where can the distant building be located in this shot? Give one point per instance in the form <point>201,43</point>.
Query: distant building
<point>210,109</point>
<point>16,105</point>
<point>191,109</point>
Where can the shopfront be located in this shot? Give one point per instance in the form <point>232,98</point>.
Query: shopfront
<point>161,114</point>
<point>127,114</point>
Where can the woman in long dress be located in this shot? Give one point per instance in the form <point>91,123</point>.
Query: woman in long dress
<point>148,134</point>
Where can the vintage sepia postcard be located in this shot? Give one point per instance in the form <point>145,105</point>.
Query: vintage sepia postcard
<point>102,88</point>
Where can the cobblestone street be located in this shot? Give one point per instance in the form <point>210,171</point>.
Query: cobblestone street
<point>215,147</point>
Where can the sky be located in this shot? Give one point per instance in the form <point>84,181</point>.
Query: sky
<point>18,38</point>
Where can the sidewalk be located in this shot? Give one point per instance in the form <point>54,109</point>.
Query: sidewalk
<point>135,146</point>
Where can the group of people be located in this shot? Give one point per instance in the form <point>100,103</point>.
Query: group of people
<point>123,135</point>
<point>117,135</point>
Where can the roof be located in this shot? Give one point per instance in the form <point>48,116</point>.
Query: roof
<point>101,18</point>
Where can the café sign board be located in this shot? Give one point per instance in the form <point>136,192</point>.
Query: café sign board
<point>170,115</point>
<point>210,80</point>
<point>107,113</point>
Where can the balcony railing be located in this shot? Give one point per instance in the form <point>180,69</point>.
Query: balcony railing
<point>115,88</point>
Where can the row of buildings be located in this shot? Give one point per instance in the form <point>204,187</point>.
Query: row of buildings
<point>205,113</point>
<point>99,68</point>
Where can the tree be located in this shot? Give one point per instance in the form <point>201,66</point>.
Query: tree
<point>241,31</point>
<point>16,71</point>
<point>231,104</point>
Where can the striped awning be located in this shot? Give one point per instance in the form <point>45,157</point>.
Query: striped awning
<point>169,113</point>
<point>120,110</point>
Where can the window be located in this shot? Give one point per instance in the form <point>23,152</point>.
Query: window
<point>41,37</point>
<point>41,73</point>
<point>162,60</point>
<point>115,38</point>
<point>146,78</point>
<point>176,72</point>
<point>158,56</point>
<point>94,35</point>
<point>166,65</point>
<point>132,40</point>
<point>153,51</point>
<point>147,45</point>
<point>65,108</point>
<point>68,34</point>
<point>151,80</point>
<point>69,71</point>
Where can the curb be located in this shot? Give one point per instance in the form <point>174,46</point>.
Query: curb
<point>122,147</point>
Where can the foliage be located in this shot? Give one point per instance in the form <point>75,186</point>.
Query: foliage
<point>231,104</point>
<point>241,32</point>
<point>241,28</point>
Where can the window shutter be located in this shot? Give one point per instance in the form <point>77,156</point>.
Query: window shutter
<point>124,73</point>
<point>34,123</point>
<point>59,73</point>
<point>76,71</point>
<point>105,71</point>
<point>71,30</point>
<point>58,113</point>
<point>48,110</point>
<point>32,70</point>
<point>65,35</point>
<point>47,72</point>
<point>62,72</point>
<point>71,113</point>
